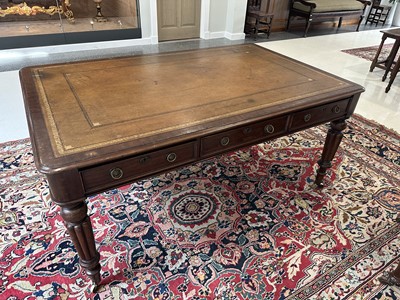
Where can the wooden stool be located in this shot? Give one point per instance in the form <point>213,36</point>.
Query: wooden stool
<point>378,14</point>
<point>258,20</point>
<point>387,63</point>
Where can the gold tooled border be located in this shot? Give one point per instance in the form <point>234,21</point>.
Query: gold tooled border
<point>60,150</point>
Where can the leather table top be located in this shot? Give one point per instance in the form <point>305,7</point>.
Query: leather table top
<point>79,111</point>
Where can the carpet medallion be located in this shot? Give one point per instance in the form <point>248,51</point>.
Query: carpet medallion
<point>246,225</point>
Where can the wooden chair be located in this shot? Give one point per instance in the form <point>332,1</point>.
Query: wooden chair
<point>378,13</point>
<point>257,18</point>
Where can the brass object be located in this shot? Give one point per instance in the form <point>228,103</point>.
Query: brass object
<point>336,109</point>
<point>99,16</point>
<point>66,6</point>
<point>247,130</point>
<point>307,117</point>
<point>171,157</point>
<point>116,173</point>
<point>269,129</point>
<point>225,141</point>
<point>25,9</point>
<point>144,159</point>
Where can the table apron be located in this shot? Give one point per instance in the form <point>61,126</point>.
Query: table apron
<point>113,174</point>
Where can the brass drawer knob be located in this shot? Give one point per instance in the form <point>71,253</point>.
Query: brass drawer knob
<point>225,141</point>
<point>307,117</point>
<point>144,159</point>
<point>247,130</point>
<point>269,129</point>
<point>171,157</point>
<point>116,173</point>
<point>336,109</point>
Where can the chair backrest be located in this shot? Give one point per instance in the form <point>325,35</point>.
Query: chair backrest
<point>254,5</point>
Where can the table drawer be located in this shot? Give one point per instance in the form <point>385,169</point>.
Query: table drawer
<point>115,173</point>
<point>319,114</point>
<point>242,136</point>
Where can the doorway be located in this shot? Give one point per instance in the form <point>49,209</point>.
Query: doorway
<point>178,19</point>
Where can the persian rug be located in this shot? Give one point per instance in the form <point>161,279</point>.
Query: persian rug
<point>369,53</point>
<point>246,225</point>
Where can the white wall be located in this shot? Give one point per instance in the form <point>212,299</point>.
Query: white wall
<point>219,18</point>
<point>218,14</point>
<point>148,20</point>
<point>236,14</point>
<point>395,15</point>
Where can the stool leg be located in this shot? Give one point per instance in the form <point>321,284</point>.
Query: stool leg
<point>393,75</point>
<point>256,28</point>
<point>269,26</point>
<point>387,13</point>
<point>340,22</point>
<point>378,16</point>
<point>368,17</point>
<point>359,23</point>
<point>375,60</point>
<point>309,20</point>
<point>288,22</point>
<point>390,59</point>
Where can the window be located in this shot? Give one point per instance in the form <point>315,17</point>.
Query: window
<point>27,23</point>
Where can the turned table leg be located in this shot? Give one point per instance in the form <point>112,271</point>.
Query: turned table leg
<point>80,229</point>
<point>332,143</point>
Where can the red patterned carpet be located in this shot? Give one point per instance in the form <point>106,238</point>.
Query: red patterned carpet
<point>369,53</point>
<point>248,225</point>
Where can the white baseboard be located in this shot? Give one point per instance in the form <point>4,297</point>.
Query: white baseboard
<point>228,35</point>
<point>235,36</point>
<point>217,35</point>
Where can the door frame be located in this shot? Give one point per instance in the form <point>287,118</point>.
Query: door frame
<point>236,13</point>
<point>204,20</point>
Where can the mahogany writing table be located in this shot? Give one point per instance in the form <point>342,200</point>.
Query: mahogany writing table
<point>100,124</point>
